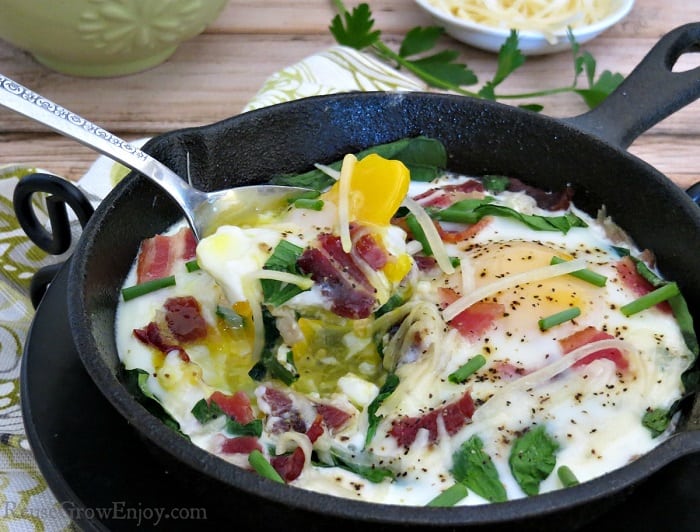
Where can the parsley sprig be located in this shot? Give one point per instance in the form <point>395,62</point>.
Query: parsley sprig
<point>442,69</point>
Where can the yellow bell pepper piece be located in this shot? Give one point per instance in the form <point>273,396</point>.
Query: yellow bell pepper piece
<point>377,188</point>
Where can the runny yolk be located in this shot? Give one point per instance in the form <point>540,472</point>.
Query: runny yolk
<point>377,188</point>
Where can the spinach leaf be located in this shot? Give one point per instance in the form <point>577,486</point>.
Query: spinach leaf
<point>425,158</point>
<point>656,421</point>
<point>135,382</point>
<point>532,459</point>
<point>470,211</point>
<point>205,411</point>
<point>473,467</point>
<point>283,259</point>
<point>371,473</point>
<point>390,384</point>
<point>268,362</point>
<point>254,428</point>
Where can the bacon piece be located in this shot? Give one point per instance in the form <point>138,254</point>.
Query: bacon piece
<point>442,197</point>
<point>236,406</point>
<point>371,252</point>
<point>289,466</point>
<point>550,201</point>
<point>631,278</point>
<point>454,416</point>
<point>333,417</point>
<point>241,445</point>
<point>454,237</point>
<point>282,408</point>
<point>184,318</point>
<point>154,335</point>
<point>316,429</point>
<point>477,319</point>
<point>586,336</point>
<point>341,280</point>
<point>158,254</point>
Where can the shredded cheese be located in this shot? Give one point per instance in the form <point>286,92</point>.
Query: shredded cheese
<point>344,201</point>
<point>538,274</point>
<point>431,234</point>
<point>491,408</point>
<point>331,172</point>
<point>529,15</point>
<point>284,277</point>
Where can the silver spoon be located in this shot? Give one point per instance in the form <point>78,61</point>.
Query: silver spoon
<point>203,210</point>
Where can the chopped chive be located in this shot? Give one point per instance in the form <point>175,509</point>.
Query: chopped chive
<point>230,316</point>
<point>559,318</point>
<point>654,297</point>
<point>418,233</point>
<point>308,203</point>
<point>566,476</point>
<point>192,265</point>
<point>450,496</point>
<point>472,365</point>
<point>455,261</point>
<point>264,468</point>
<point>146,288</point>
<point>585,275</point>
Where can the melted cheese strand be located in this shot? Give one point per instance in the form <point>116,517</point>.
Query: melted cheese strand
<point>330,172</point>
<point>434,241</point>
<point>490,409</point>
<point>539,274</point>
<point>283,277</point>
<point>344,201</point>
<point>259,328</point>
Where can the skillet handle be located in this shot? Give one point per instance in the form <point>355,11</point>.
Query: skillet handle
<point>650,93</point>
<point>58,240</point>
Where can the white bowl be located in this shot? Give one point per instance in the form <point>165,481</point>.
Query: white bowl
<point>531,42</point>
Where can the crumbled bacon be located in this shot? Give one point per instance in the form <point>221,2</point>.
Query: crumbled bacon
<point>454,237</point>
<point>351,294</point>
<point>315,431</point>
<point>333,417</point>
<point>550,201</point>
<point>155,336</point>
<point>370,251</point>
<point>289,466</point>
<point>157,255</point>
<point>241,444</point>
<point>236,406</point>
<point>590,335</point>
<point>442,197</point>
<point>454,416</point>
<point>282,409</point>
<point>184,318</point>
<point>475,320</point>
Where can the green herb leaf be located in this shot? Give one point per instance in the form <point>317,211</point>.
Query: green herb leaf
<point>141,289</point>
<point>465,371</point>
<point>470,211</point>
<point>262,467</point>
<point>230,316</point>
<point>566,476</point>
<point>450,496</point>
<point>419,40</point>
<point>557,319</point>
<point>254,428</point>
<point>587,275</point>
<point>473,467</point>
<point>510,58</point>
<point>532,459</point>
<point>656,421</point>
<point>371,473</point>
<point>390,384</point>
<point>495,183</point>
<point>355,29</point>
<point>283,259</point>
<point>136,382</point>
<point>205,411</point>
<point>444,70</point>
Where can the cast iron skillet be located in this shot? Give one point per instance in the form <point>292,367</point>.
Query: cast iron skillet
<point>587,151</point>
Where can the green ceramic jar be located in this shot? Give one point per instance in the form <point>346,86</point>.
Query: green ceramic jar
<point>103,37</point>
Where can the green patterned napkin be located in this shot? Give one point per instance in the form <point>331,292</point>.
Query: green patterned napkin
<point>26,503</point>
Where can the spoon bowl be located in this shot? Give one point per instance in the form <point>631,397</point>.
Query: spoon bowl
<point>204,211</point>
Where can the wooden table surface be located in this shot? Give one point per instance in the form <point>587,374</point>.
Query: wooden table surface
<point>215,74</point>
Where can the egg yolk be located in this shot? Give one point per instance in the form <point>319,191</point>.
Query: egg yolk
<point>377,188</point>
